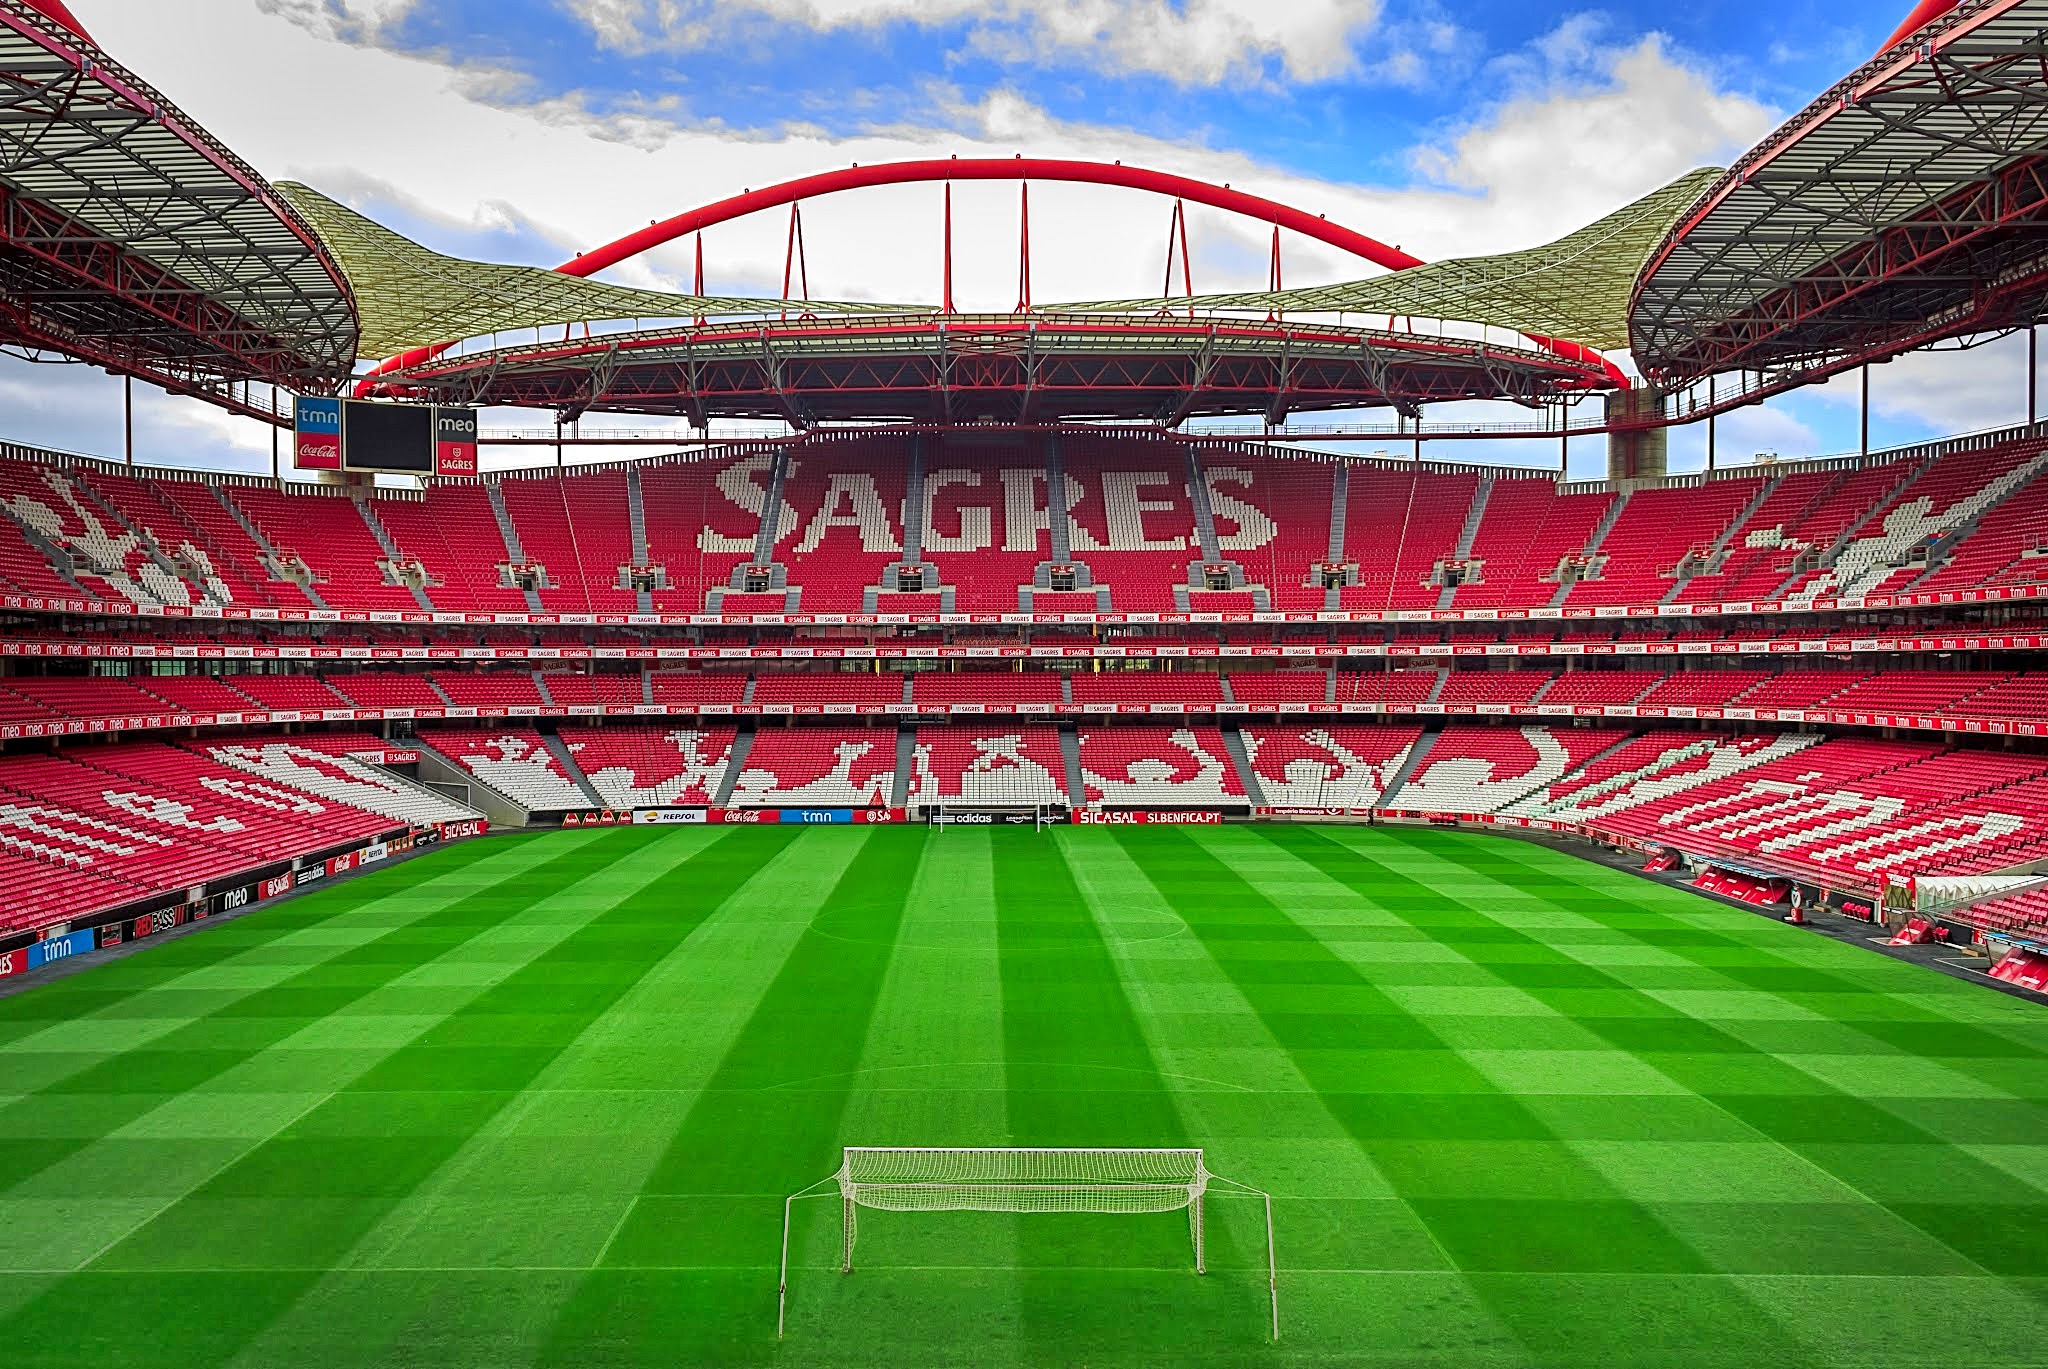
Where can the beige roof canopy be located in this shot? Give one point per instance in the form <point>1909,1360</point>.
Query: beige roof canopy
<point>410,296</point>
<point>1576,288</point>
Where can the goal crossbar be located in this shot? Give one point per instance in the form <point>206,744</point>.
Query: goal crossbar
<point>1022,1179</point>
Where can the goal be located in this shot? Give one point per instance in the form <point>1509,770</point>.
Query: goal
<point>1013,1179</point>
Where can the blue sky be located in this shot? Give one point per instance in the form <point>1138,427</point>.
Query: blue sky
<point>1414,68</point>
<point>522,130</point>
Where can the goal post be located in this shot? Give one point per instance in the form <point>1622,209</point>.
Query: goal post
<point>1022,1179</point>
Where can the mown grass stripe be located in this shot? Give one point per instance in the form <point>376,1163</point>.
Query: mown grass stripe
<point>546,1186</point>
<point>1803,970</point>
<point>768,1121</point>
<point>114,982</point>
<point>332,1175</point>
<point>1854,1140</point>
<point>1077,1067</point>
<point>1422,1113</point>
<point>131,1083</point>
<point>1077,1072</point>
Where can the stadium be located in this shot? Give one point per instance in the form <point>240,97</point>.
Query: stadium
<point>1203,865</point>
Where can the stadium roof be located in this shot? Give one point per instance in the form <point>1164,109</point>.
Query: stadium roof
<point>1577,287</point>
<point>1020,368</point>
<point>1904,206</point>
<point>409,296</point>
<point>129,237</point>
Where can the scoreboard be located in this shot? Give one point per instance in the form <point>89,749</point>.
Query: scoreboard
<point>375,438</point>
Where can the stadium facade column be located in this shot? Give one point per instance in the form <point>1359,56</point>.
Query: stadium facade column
<point>1635,453</point>
<point>1713,451</point>
<point>1863,427</point>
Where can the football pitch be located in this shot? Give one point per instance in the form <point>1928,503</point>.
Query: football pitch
<point>538,1100</point>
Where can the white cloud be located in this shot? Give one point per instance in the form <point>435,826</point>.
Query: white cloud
<point>1589,127</point>
<point>1744,433</point>
<point>349,20</point>
<point>1940,392</point>
<point>1190,42</point>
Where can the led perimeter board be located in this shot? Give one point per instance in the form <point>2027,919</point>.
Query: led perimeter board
<point>378,438</point>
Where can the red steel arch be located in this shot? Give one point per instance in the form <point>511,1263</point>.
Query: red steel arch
<point>992,169</point>
<point>1925,13</point>
<point>1019,168</point>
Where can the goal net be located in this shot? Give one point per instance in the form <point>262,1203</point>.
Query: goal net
<point>1012,1179</point>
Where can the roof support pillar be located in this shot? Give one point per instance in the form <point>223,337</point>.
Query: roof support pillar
<point>1635,452</point>
<point>1863,438</point>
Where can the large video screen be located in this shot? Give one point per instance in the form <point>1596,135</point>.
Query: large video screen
<point>387,437</point>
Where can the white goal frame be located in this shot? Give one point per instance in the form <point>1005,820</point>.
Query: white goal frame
<point>1022,1179</point>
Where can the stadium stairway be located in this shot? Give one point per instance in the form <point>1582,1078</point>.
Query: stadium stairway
<point>500,808</point>
<point>771,509</point>
<point>1070,751</point>
<point>1059,505</point>
<point>574,771</point>
<point>636,519</point>
<point>1462,550</point>
<point>60,561</point>
<point>1855,526</point>
<point>208,592</point>
<point>515,551</point>
<point>742,747</point>
<point>397,557</point>
<point>273,558</point>
<point>1717,550</point>
<point>1205,513</point>
<point>1340,496</point>
<point>906,765</point>
<point>1417,754</point>
<point>1944,548</point>
<point>913,505</point>
<point>1591,551</point>
<point>1241,760</point>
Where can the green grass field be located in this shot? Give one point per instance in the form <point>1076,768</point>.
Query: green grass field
<point>536,1101</point>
